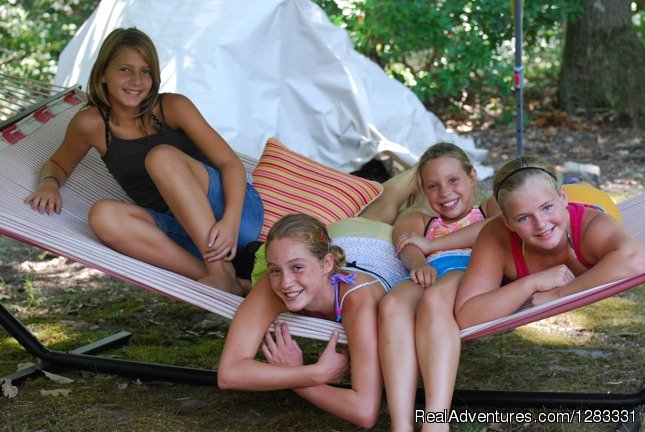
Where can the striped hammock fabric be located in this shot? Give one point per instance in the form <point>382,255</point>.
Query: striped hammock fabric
<point>26,145</point>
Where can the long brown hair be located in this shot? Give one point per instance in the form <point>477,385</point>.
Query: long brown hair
<point>118,39</point>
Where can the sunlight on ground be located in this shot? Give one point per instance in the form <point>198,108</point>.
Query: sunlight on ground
<point>61,267</point>
<point>579,326</point>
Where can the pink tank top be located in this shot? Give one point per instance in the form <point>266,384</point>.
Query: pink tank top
<point>576,212</point>
<point>438,228</point>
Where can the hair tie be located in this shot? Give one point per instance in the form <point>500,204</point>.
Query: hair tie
<point>515,171</point>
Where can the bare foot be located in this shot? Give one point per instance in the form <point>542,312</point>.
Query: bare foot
<point>246,286</point>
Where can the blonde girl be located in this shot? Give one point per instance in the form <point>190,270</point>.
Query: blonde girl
<point>306,275</point>
<point>193,209</point>
<point>541,247</point>
<point>417,329</point>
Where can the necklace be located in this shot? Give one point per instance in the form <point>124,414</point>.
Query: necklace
<point>569,239</point>
<point>108,119</point>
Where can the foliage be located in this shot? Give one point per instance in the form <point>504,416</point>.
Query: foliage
<point>456,52</point>
<point>34,33</point>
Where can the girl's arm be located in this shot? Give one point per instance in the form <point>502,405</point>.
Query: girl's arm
<point>464,237</point>
<point>359,404</point>
<point>616,255</point>
<point>238,368</point>
<point>411,244</point>
<point>396,192</point>
<point>481,297</point>
<point>55,171</point>
<point>181,113</point>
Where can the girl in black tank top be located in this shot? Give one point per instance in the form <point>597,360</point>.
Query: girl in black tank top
<point>192,209</point>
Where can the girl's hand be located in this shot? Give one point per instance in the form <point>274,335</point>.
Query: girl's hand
<point>417,240</point>
<point>551,278</point>
<point>424,275</point>
<point>46,198</point>
<point>542,297</point>
<point>333,365</point>
<point>284,351</point>
<point>548,283</point>
<point>222,241</point>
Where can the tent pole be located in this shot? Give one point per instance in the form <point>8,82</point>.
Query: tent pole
<point>518,75</point>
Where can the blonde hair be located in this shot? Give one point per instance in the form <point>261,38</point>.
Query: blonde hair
<point>118,39</point>
<point>310,232</point>
<point>435,151</point>
<point>515,174</point>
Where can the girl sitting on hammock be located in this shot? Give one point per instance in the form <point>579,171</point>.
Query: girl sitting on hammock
<point>417,330</point>
<point>193,208</point>
<point>541,247</point>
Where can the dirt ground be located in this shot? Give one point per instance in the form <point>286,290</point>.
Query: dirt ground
<point>619,153</point>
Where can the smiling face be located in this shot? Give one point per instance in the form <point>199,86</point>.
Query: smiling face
<point>448,187</point>
<point>297,276</point>
<point>127,78</point>
<point>538,214</point>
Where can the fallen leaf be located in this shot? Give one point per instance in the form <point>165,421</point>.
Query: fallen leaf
<point>9,390</point>
<point>22,366</point>
<point>58,378</point>
<point>56,392</point>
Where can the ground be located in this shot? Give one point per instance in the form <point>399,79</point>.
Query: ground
<point>601,343</point>
<point>618,151</point>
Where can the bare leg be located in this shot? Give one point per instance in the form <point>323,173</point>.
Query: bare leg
<point>131,230</point>
<point>438,344</point>
<point>185,192</point>
<point>397,352</point>
<point>396,191</point>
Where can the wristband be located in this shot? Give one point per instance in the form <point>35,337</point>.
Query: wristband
<point>49,176</point>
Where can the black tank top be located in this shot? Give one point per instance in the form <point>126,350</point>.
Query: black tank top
<point>125,159</point>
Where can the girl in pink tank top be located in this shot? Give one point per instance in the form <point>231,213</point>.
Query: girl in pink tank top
<point>541,248</point>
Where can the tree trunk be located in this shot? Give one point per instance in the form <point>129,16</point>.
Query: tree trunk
<point>603,62</point>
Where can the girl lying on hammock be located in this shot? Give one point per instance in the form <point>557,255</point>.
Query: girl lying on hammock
<point>306,274</point>
<point>301,279</point>
<point>541,248</point>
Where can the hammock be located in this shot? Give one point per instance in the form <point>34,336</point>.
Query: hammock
<point>24,146</point>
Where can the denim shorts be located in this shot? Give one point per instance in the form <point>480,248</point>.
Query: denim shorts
<point>250,223</point>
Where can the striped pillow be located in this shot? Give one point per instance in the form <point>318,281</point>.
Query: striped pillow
<point>291,183</point>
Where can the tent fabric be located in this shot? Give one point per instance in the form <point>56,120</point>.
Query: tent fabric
<point>69,235</point>
<point>272,68</point>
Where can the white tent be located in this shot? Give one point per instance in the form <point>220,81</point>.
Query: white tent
<point>262,68</point>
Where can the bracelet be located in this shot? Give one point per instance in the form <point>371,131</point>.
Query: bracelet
<point>49,176</point>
